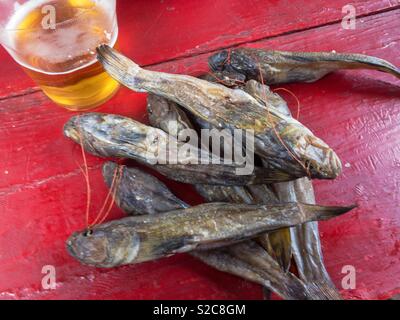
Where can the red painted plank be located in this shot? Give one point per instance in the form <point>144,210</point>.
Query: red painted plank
<point>41,203</point>
<point>155,31</point>
<point>23,163</point>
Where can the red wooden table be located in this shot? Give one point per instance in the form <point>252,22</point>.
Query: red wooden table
<point>42,192</point>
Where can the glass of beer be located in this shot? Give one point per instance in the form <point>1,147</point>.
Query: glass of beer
<point>55,43</point>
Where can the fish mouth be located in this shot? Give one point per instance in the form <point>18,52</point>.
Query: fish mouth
<point>79,126</point>
<point>335,164</point>
<point>329,168</point>
<point>71,132</point>
<point>73,252</point>
<point>320,161</point>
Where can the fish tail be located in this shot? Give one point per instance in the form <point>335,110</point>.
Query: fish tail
<point>315,212</point>
<point>347,61</point>
<point>362,61</point>
<point>118,66</point>
<point>333,61</point>
<point>323,291</point>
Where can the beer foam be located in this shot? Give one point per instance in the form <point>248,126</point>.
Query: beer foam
<point>74,39</point>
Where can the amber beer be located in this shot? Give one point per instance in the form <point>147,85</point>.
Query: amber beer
<point>61,58</point>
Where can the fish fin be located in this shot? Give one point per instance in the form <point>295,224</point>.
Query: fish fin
<point>177,245</point>
<point>267,176</point>
<point>282,247</point>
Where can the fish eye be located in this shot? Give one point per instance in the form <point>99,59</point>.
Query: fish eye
<point>88,233</point>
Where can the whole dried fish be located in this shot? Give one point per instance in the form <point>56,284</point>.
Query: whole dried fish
<point>143,238</point>
<point>277,67</point>
<point>247,260</point>
<point>285,143</point>
<point>109,135</point>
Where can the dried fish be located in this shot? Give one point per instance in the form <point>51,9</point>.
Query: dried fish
<point>277,243</point>
<point>228,79</point>
<point>247,260</point>
<point>280,240</point>
<point>306,243</point>
<point>109,135</point>
<point>143,238</point>
<point>278,67</point>
<point>167,116</point>
<point>140,193</point>
<point>307,249</point>
<point>284,142</point>
<point>174,119</point>
<point>265,96</point>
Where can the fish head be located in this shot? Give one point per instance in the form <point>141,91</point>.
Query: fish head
<point>106,135</point>
<point>236,62</point>
<point>218,61</point>
<point>105,246</point>
<point>320,161</point>
<point>90,130</point>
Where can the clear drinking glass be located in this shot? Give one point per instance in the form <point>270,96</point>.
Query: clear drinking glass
<point>55,43</point>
